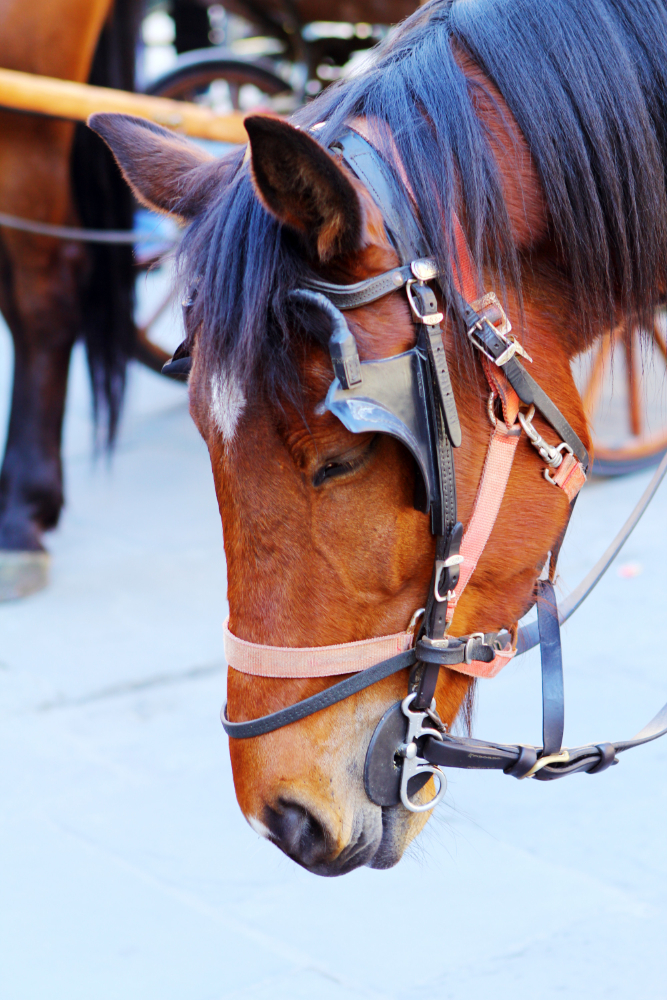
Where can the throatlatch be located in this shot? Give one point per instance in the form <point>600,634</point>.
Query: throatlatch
<point>410,397</point>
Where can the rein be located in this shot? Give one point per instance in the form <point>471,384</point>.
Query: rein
<point>114,236</point>
<point>410,397</point>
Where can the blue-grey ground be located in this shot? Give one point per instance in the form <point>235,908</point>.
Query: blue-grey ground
<point>126,869</point>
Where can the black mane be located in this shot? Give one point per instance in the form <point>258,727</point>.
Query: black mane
<point>586,81</point>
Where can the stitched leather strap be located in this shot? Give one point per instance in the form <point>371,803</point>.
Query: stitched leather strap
<point>311,661</point>
<point>363,293</point>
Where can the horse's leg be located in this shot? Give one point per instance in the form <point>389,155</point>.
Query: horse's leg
<point>39,294</point>
<point>38,298</point>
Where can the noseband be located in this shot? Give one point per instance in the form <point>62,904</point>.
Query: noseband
<point>410,397</point>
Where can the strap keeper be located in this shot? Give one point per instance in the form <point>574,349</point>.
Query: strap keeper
<point>524,763</point>
<point>472,638</point>
<point>607,758</point>
<point>446,574</point>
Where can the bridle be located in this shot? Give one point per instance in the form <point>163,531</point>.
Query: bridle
<point>410,397</point>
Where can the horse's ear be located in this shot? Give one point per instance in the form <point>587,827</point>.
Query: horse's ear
<point>166,172</point>
<point>304,187</point>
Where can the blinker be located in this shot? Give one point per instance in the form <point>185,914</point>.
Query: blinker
<point>179,365</point>
<point>388,396</point>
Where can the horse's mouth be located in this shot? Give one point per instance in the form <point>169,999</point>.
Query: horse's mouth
<point>393,841</point>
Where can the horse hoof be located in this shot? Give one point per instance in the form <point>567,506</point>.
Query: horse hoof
<point>22,573</point>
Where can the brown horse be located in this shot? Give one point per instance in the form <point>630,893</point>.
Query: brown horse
<point>52,291</point>
<point>546,138</point>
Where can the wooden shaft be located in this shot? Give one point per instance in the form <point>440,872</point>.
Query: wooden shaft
<point>65,99</point>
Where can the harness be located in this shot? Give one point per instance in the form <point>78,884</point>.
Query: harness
<point>410,397</point>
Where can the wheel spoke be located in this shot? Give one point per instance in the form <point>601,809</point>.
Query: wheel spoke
<point>632,376</point>
<point>659,340</point>
<point>591,393</point>
<point>144,329</point>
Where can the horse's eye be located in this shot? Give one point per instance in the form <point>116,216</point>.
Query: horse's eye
<point>345,466</point>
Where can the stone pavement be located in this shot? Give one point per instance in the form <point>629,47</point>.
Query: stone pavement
<point>126,869</point>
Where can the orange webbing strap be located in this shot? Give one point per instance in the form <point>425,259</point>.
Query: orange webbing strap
<point>463,267</point>
<point>490,493</point>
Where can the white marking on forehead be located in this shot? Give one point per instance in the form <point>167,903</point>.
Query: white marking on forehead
<point>259,827</point>
<point>227,404</point>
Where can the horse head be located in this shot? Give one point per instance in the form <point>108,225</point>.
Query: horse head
<point>324,541</point>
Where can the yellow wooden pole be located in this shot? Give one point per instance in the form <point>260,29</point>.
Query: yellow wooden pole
<point>65,99</point>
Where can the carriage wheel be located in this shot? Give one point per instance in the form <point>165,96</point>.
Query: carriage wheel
<point>224,85</point>
<point>623,384</point>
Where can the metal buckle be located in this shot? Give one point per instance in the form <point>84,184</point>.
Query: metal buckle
<point>551,758</point>
<point>413,764</point>
<point>435,643</point>
<point>490,303</point>
<point>425,269</point>
<point>430,319</point>
<point>441,564</point>
<point>468,650</point>
<point>492,313</point>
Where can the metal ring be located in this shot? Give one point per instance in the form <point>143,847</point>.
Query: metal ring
<point>489,410</point>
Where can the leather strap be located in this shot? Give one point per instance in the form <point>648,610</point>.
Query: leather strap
<point>553,703</point>
<point>363,293</point>
<point>487,340</point>
<point>492,486</point>
<point>440,373</point>
<point>324,699</point>
<point>384,186</point>
<point>518,761</point>
<point>465,650</point>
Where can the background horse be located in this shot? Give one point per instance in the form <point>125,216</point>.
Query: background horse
<point>51,291</point>
<point>543,128</point>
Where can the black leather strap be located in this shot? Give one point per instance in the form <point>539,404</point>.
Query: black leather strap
<point>440,373</point>
<point>530,393</point>
<point>387,191</point>
<point>553,703</point>
<point>465,752</point>
<point>324,699</point>
<point>461,650</point>
<point>362,293</point>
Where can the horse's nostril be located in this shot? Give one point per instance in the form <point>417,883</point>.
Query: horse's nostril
<point>297,833</point>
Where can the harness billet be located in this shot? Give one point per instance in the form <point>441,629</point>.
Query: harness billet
<point>409,396</point>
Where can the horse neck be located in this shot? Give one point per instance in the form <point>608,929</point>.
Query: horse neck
<point>32,38</point>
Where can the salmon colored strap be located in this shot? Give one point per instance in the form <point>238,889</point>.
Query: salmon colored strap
<point>476,668</point>
<point>570,476</point>
<point>490,493</point>
<point>465,279</point>
<point>311,661</point>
